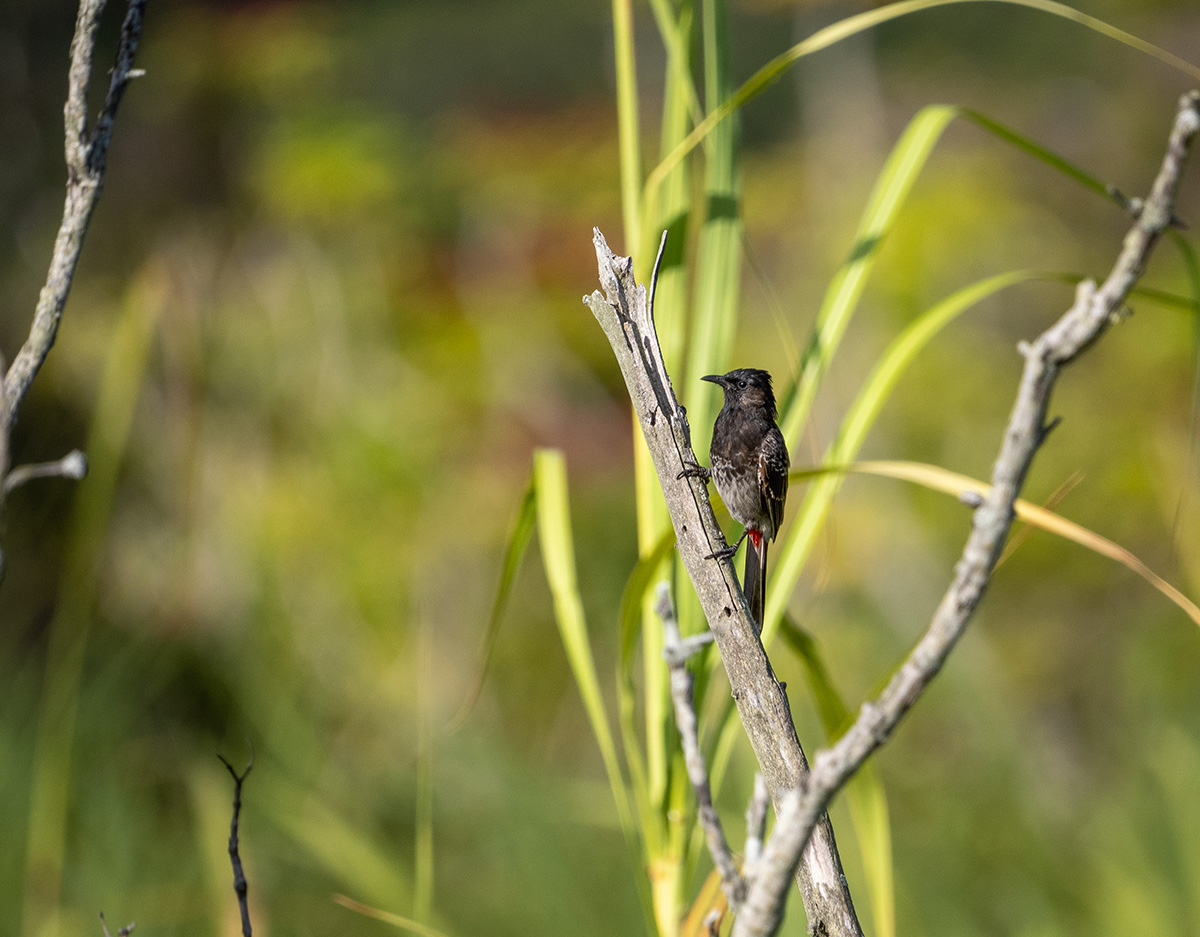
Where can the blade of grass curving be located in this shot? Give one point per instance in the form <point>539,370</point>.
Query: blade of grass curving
<point>558,556</point>
<point>904,164</point>
<point>1170,300</point>
<point>864,793</point>
<point>1037,151</point>
<point>852,25</point>
<point>514,553</point>
<point>953,483</point>
<point>859,419</point>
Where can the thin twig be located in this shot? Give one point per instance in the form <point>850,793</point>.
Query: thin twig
<point>73,465</point>
<point>1093,311</point>
<point>676,654</point>
<point>239,878</point>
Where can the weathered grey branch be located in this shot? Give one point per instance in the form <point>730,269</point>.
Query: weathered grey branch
<point>1093,311</point>
<point>677,651</point>
<point>625,315</point>
<point>87,156</point>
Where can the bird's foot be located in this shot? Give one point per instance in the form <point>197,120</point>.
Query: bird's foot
<point>694,470</point>
<point>724,552</point>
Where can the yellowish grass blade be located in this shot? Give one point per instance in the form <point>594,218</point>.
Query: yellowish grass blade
<point>558,557</point>
<point>404,923</point>
<point>711,898</point>
<point>952,483</point>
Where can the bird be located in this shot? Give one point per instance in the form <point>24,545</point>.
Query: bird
<point>749,464</point>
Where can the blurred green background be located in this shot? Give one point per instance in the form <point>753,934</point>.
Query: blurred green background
<point>328,306</point>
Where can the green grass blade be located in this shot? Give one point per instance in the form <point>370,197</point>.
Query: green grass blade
<point>895,182</point>
<point>864,793</point>
<point>1187,304</point>
<point>952,483</point>
<point>558,556</point>
<point>514,554</point>
<point>852,25</point>
<point>628,127</point>
<point>1039,152</point>
<point>904,164</point>
<point>799,541</point>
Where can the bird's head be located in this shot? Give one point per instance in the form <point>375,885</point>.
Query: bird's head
<point>747,387</point>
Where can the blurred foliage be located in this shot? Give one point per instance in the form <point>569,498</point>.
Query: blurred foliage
<point>362,230</point>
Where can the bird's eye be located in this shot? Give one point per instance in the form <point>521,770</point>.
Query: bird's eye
<point>742,385</point>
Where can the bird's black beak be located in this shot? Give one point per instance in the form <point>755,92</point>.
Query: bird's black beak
<point>714,378</point>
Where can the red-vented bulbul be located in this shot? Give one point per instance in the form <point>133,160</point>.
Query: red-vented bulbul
<point>749,464</point>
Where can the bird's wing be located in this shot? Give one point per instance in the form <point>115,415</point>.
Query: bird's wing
<point>773,465</point>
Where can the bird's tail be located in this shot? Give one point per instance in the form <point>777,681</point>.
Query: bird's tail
<point>754,579</point>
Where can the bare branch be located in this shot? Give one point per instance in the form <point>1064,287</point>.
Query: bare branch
<point>624,314</point>
<point>86,157</point>
<point>677,653</point>
<point>1093,311</point>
